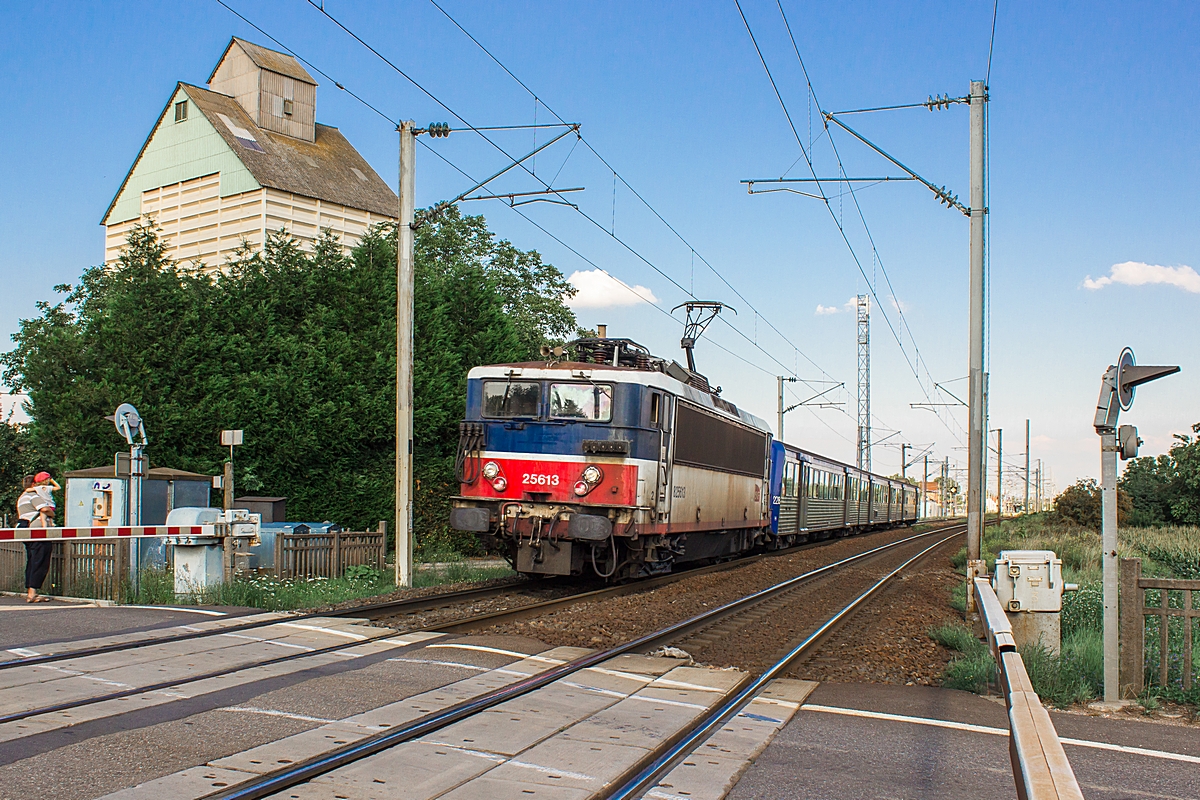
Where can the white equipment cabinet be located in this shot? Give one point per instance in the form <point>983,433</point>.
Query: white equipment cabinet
<point>200,561</point>
<point>1029,585</point>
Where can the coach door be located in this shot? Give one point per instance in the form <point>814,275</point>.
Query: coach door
<point>662,417</point>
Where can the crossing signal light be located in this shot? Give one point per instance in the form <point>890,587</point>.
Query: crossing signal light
<point>439,129</point>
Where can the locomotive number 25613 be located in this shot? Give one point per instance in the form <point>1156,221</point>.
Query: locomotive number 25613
<point>531,479</point>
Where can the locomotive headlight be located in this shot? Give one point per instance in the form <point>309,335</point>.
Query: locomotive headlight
<point>490,470</point>
<point>592,475</point>
<point>499,484</point>
<point>582,488</point>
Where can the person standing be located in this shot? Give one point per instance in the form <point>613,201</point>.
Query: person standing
<point>36,508</point>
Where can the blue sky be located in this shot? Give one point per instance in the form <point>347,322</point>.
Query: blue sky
<point>1093,164</point>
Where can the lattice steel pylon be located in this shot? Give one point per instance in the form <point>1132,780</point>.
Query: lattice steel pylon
<point>864,382</point>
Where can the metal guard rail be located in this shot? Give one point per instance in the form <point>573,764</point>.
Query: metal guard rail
<point>1039,764</point>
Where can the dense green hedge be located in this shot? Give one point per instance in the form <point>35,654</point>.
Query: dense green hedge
<point>298,349</point>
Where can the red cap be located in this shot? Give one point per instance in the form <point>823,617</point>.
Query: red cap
<point>41,477</point>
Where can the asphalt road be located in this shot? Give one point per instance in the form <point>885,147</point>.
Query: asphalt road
<point>827,753</point>
<point>25,624</point>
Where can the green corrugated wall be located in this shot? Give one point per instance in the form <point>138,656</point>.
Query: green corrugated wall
<point>180,151</point>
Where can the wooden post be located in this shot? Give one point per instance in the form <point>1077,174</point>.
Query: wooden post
<point>279,535</point>
<point>1133,629</point>
<point>382,559</point>
<point>336,567</point>
<point>68,569</point>
<point>230,547</point>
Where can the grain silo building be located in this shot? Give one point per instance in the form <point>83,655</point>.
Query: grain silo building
<point>229,163</point>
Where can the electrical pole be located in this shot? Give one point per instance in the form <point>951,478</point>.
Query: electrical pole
<point>945,485</point>
<point>404,355</point>
<point>925,490</point>
<point>999,474</point>
<point>779,425</point>
<point>1026,507</point>
<point>1038,502</point>
<point>976,443</point>
<point>864,383</point>
<point>904,460</point>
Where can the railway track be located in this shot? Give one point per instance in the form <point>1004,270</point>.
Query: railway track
<point>458,624</point>
<point>737,697</point>
<point>396,610</point>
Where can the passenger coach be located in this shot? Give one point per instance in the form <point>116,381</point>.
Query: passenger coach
<point>619,463</point>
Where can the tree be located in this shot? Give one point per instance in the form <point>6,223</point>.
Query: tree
<point>1166,489</point>
<point>1083,505</point>
<point>17,459</point>
<point>299,350</point>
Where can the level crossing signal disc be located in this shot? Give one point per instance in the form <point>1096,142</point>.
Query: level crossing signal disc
<point>1125,393</point>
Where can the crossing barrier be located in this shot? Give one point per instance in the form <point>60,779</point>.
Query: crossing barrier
<point>123,532</point>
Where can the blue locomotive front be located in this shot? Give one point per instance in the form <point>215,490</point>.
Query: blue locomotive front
<point>613,462</point>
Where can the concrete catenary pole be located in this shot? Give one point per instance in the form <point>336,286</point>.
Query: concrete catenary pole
<point>779,425</point>
<point>404,355</point>
<point>1025,508</point>
<point>904,460</point>
<point>999,473</point>
<point>976,443</point>
<point>946,489</point>
<point>925,490</point>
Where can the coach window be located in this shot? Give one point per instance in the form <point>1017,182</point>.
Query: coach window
<point>655,408</point>
<point>508,399</point>
<point>589,401</point>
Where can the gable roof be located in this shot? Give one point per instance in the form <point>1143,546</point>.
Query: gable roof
<point>271,60</point>
<point>326,169</point>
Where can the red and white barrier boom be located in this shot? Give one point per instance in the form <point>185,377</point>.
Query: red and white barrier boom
<point>141,531</point>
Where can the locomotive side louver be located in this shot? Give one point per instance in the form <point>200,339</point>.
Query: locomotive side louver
<point>606,447</point>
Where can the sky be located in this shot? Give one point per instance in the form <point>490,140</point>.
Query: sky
<point>1093,182</point>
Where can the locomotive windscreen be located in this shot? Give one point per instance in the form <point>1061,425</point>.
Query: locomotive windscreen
<point>705,440</point>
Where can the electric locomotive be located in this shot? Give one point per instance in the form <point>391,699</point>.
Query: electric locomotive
<point>621,464</point>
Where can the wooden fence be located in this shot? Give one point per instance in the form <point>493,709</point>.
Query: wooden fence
<point>77,569</point>
<point>1166,612</point>
<point>328,555</point>
<point>101,568</point>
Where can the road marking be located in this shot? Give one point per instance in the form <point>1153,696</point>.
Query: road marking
<point>269,641</point>
<point>681,685</point>
<point>23,652</point>
<point>182,610</point>
<point>44,607</point>
<point>440,663</point>
<point>482,649</point>
<point>618,674</point>
<point>331,631</point>
<point>286,715</point>
<point>679,703</point>
<point>966,726</point>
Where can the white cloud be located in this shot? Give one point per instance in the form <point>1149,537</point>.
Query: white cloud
<point>899,305</point>
<point>597,289</point>
<point>1135,273</point>
<point>849,306</point>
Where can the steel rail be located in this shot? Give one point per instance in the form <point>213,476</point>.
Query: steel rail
<point>409,605</point>
<point>1039,763</point>
<point>452,626</point>
<point>311,768</point>
<point>645,775</point>
<point>406,605</point>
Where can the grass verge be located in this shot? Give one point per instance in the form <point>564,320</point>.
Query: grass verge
<point>157,587</point>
